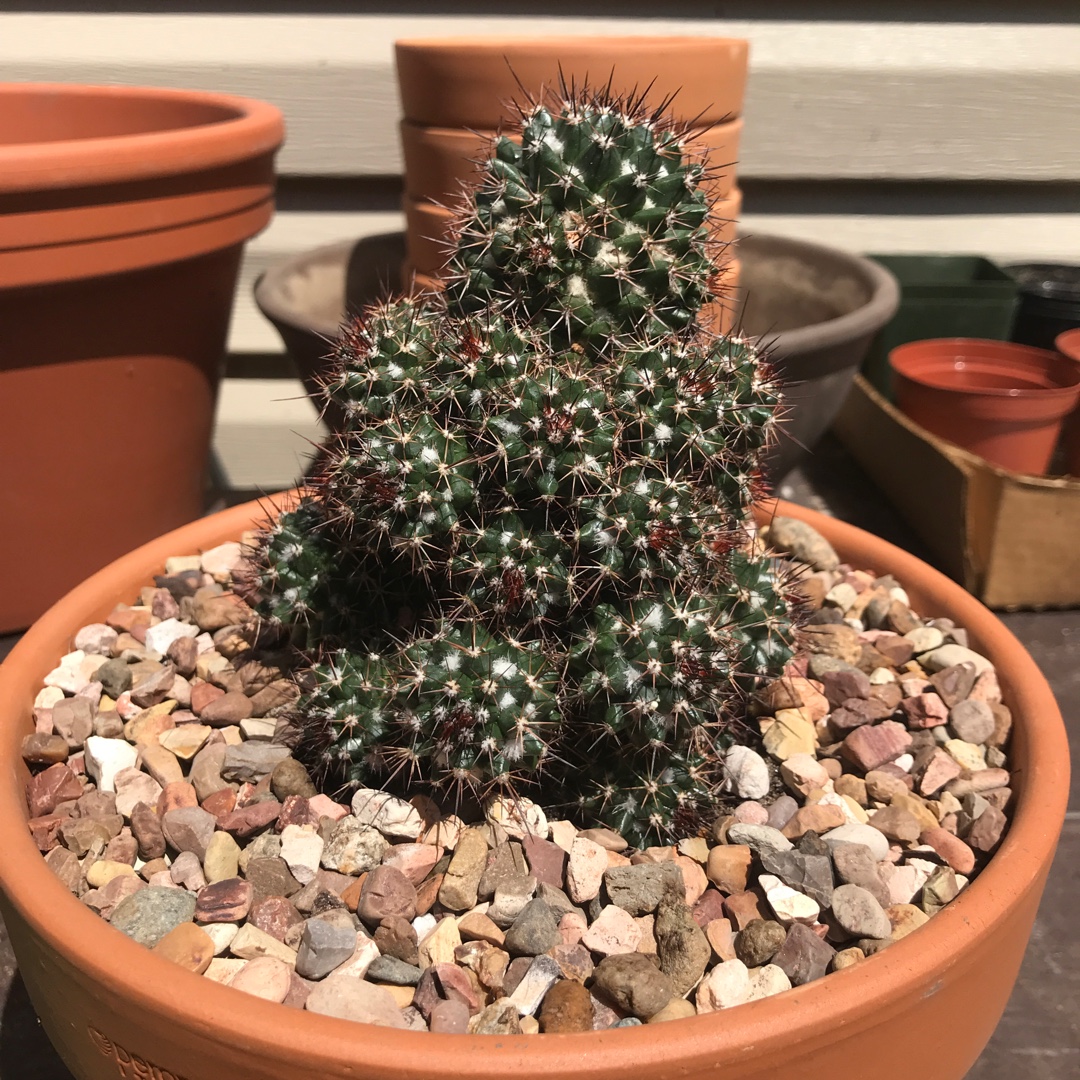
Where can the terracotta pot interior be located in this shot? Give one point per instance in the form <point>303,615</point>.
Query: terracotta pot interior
<point>47,116</point>
<point>968,368</point>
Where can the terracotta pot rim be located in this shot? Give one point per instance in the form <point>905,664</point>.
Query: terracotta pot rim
<point>256,128</point>
<point>941,354</point>
<point>1068,343</point>
<point>867,318</point>
<point>854,997</point>
<point>594,43</point>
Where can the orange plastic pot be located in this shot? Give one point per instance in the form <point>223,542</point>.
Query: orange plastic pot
<point>429,231</point>
<point>1068,344</point>
<point>440,162</point>
<point>924,1007</point>
<point>123,213</point>
<point>469,82</point>
<point>1001,401</point>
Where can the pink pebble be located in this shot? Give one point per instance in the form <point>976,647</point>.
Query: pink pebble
<point>751,813</point>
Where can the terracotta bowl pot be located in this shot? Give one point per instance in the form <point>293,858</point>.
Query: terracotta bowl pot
<point>816,307</point>
<point>440,162</point>
<point>469,82</point>
<point>1002,401</point>
<point>429,237</point>
<point>123,212</point>
<point>924,1007</point>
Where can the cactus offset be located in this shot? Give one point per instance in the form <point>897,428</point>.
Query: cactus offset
<point>527,561</point>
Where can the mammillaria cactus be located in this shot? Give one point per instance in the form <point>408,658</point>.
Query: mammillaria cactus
<point>526,564</point>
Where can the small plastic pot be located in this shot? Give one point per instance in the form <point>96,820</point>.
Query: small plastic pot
<point>1068,344</point>
<point>1049,302</point>
<point>1002,401</point>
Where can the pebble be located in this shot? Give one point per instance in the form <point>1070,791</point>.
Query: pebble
<point>188,946</point>
<point>803,956</point>
<point>766,981</point>
<point>681,945</point>
<point>541,975</point>
<point>858,913</point>
<point>106,757</point>
<point>534,931</point>
<point>324,946</point>
<point>585,870</point>
<point>148,915</point>
<point>761,839</point>
<point>632,983</point>
<point>438,945</point>
<point>518,817</point>
<point>393,817</point>
<point>224,901</point>
<point>803,541</point>
<point>459,890</point>
<point>189,828</point>
<point>387,893</point>
<point>758,943</point>
<point>747,772</point>
<point>567,1008</point>
<point>612,932</point>
<point>301,849</point>
<point>133,787</point>
<point>726,985</point>
<point>251,942</point>
<point>866,835</point>
<point>639,889</point>
<point>348,998</point>
<point>222,858</point>
<point>354,848</point>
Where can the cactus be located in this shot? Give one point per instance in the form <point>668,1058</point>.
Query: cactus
<point>526,564</point>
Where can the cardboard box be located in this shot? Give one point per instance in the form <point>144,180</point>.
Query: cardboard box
<point>1011,540</point>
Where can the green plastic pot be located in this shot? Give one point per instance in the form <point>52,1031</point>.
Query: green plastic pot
<point>941,296</point>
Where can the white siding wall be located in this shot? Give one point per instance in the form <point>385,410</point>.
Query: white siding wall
<point>887,135</point>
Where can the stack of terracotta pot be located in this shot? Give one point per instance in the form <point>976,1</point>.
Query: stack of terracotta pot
<point>457,94</point>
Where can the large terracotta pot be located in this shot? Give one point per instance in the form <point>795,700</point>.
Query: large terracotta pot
<point>457,92</point>
<point>470,82</point>
<point>924,1007</point>
<point>123,212</point>
<point>439,162</point>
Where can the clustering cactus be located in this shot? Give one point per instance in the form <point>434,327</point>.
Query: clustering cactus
<point>527,562</point>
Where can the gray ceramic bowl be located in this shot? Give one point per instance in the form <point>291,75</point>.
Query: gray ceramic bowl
<point>816,307</point>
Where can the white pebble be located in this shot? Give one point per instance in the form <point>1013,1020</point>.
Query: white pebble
<point>106,757</point>
<point>518,817</point>
<point>748,772</point>
<point>301,848</point>
<point>766,981</point>
<point>160,636</point>
<point>727,984</point>
<point>393,817</point>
